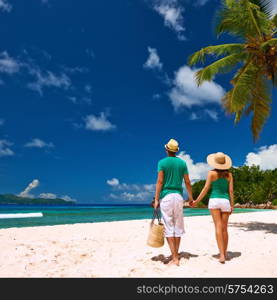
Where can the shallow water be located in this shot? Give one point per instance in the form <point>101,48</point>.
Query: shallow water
<point>54,215</point>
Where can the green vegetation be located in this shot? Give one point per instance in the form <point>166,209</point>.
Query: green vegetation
<point>274,202</point>
<point>251,185</point>
<point>254,58</point>
<point>12,199</point>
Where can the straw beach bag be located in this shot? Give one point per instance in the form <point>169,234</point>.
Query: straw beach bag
<point>156,232</point>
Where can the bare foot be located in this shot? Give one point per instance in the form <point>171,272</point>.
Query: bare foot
<point>227,257</point>
<point>222,259</point>
<point>174,262</point>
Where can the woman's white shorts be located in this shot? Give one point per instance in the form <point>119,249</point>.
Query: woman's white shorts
<point>220,203</point>
<point>172,213</point>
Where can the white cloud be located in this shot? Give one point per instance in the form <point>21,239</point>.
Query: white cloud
<point>197,171</point>
<point>90,53</point>
<point>156,96</point>
<point>131,192</point>
<point>186,93</point>
<point>113,182</point>
<point>200,2</point>
<point>194,116</point>
<point>31,186</point>
<point>8,64</point>
<point>47,196</point>
<point>88,88</point>
<point>54,196</point>
<point>153,61</point>
<point>2,121</point>
<point>4,148</point>
<point>213,114</point>
<point>68,198</point>
<point>72,99</point>
<point>47,79</point>
<point>38,79</point>
<point>74,70</point>
<point>100,123</point>
<point>265,158</point>
<point>5,6</point>
<point>38,143</point>
<point>133,197</point>
<point>171,11</point>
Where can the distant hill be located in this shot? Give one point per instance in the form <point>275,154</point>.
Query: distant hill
<point>13,199</point>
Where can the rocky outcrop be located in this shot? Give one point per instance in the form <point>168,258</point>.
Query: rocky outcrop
<point>267,205</point>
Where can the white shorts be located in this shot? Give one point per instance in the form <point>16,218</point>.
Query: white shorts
<point>172,213</point>
<point>220,203</point>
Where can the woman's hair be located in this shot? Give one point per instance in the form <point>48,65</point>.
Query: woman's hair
<point>222,173</point>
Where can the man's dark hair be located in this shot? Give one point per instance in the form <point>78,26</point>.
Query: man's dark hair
<point>170,152</point>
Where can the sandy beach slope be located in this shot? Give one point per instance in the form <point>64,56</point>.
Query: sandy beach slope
<point>118,249</point>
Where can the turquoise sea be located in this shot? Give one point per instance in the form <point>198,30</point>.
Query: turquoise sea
<point>54,215</point>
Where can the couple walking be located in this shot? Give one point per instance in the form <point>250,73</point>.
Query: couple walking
<point>171,173</point>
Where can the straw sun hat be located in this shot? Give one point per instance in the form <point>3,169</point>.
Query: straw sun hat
<point>172,146</point>
<point>219,161</point>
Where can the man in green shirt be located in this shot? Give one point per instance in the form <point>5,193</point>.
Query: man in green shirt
<point>172,171</point>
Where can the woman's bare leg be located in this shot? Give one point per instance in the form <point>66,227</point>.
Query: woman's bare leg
<point>225,218</point>
<point>216,214</point>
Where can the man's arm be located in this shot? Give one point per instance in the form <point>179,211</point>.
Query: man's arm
<point>159,186</point>
<point>188,187</point>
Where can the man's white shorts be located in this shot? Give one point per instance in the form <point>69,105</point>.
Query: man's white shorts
<point>220,203</point>
<point>172,213</point>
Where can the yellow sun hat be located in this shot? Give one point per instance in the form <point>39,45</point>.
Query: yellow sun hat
<point>219,161</point>
<point>172,146</point>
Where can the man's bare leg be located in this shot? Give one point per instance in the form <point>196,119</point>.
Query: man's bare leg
<point>177,243</point>
<point>174,252</point>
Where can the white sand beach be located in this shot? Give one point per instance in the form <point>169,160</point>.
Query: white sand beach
<point>118,249</point>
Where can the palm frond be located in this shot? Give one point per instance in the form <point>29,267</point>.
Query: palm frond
<point>265,6</point>
<point>271,42</point>
<point>255,98</point>
<point>218,50</point>
<point>260,105</point>
<point>239,96</point>
<point>242,18</point>
<point>222,65</point>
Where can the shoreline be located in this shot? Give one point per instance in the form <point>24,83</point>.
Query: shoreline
<point>120,250</point>
<point>207,213</point>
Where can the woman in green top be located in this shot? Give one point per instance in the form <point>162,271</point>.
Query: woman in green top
<point>221,202</point>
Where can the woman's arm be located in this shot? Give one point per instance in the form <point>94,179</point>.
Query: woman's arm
<point>231,191</point>
<point>205,189</point>
<point>159,186</point>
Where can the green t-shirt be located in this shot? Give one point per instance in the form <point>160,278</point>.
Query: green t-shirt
<point>174,169</point>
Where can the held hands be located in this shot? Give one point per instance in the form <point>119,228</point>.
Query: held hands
<point>193,203</point>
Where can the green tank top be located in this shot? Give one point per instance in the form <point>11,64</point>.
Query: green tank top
<point>220,188</point>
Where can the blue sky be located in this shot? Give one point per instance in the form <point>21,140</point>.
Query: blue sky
<point>90,93</point>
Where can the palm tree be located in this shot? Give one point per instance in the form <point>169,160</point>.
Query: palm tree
<point>256,58</point>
